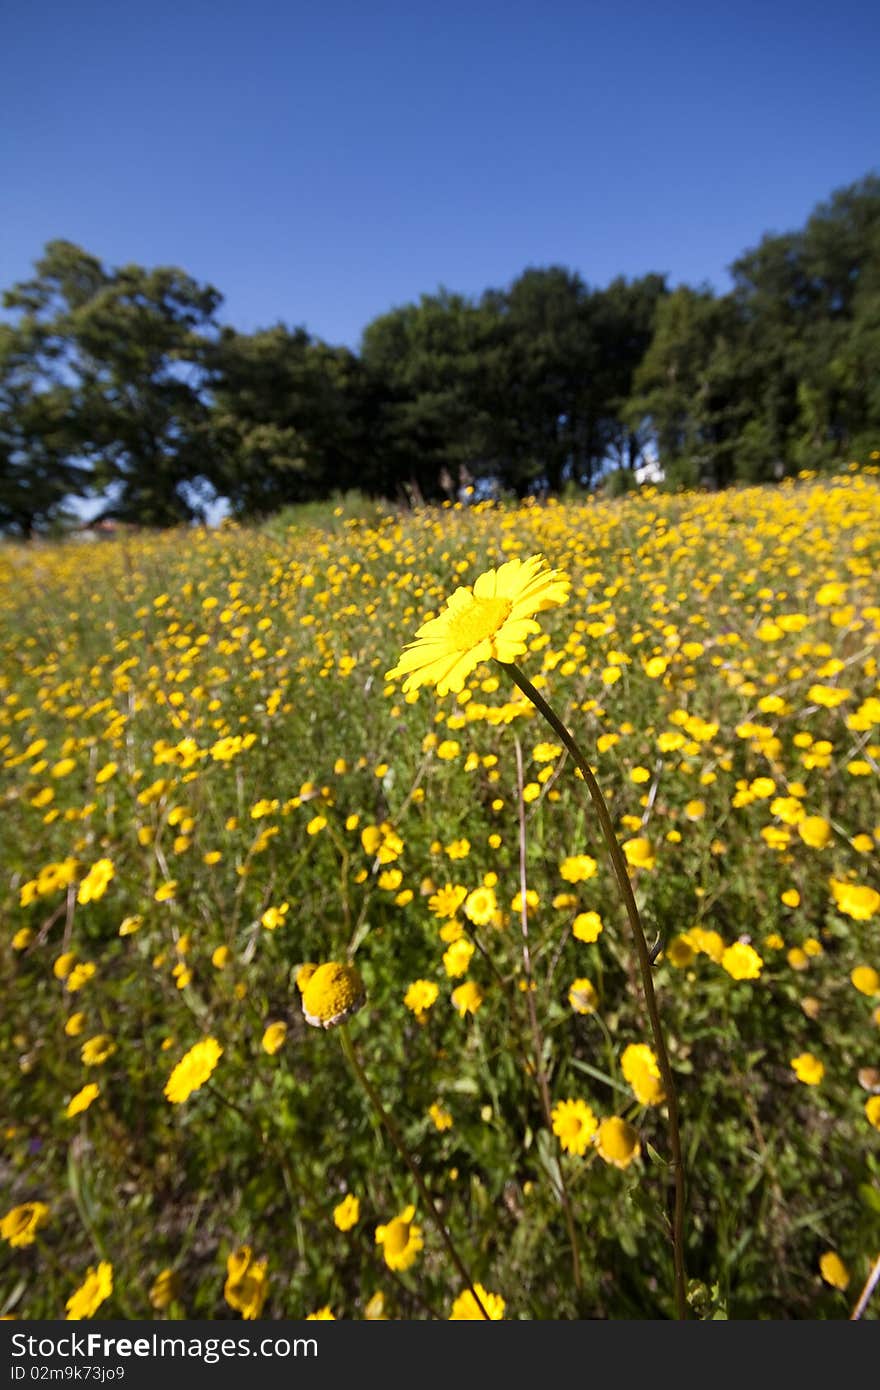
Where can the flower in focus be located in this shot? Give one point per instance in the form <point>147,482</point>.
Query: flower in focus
<point>640,1067</point>
<point>466,1309</point>
<point>347,1212</point>
<point>92,1292</point>
<point>808,1068</point>
<point>332,994</point>
<point>193,1070</point>
<point>618,1142</point>
<point>401,1240</point>
<point>493,619</point>
<point>246,1284</point>
<point>574,1124</point>
<point>20,1225</point>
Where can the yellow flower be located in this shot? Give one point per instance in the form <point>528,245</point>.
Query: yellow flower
<point>274,916</point>
<point>347,1212</point>
<point>75,1024</point>
<point>587,926</point>
<point>246,1284</point>
<point>325,1314</point>
<point>220,957</point>
<point>446,901</point>
<point>639,852</point>
<point>420,997</point>
<point>857,900</point>
<point>642,1071</point>
<point>577,868</point>
<point>95,1051</point>
<point>815,831</point>
<point>574,1124</point>
<point>493,619</point>
<point>872,1111</point>
<point>742,961</point>
<point>618,1142</point>
<point>63,965</point>
<point>480,906</point>
<point>92,1292</point>
<point>129,925</point>
<point>401,1240</point>
<point>441,1117</point>
<point>20,1225</point>
<point>80,975</point>
<point>193,1070</point>
<point>467,1309</point>
<point>332,994</point>
<point>166,891</point>
<point>866,979</point>
<point>833,1270</point>
<point>808,1068</point>
<point>94,885</point>
<point>273,1038</point>
<point>582,996</point>
<point>164,1290</point>
<point>681,951</point>
<point>467,998</point>
<point>82,1100</point>
<point>457,957</point>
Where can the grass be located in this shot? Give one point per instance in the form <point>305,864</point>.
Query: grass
<point>208,710</point>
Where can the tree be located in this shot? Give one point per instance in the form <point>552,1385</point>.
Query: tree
<point>127,345</point>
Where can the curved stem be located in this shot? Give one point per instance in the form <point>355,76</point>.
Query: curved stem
<point>398,1142</point>
<point>538,1042</point>
<point>619,865</point>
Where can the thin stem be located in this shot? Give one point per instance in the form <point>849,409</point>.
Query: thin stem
<point>538,1041</point>
<point>398,1142</point>
<point>870,1284</point>
<point>619,865</point>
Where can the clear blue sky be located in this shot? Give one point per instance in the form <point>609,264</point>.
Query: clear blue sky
<point>322,162</point>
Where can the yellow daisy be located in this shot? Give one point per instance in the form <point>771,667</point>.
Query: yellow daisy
<point>492,619</point>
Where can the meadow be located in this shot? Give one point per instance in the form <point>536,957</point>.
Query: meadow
<point>320,998</point>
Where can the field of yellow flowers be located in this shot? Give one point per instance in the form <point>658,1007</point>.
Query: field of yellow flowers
<point>320,994</point>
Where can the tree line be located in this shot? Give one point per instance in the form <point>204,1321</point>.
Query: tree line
<point>121,384</point>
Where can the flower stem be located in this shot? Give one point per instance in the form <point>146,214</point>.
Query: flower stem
<point>398,1142</point>
<point>538,1042</point>
<point>619,865</point>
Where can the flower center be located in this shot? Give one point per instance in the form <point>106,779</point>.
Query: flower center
<point>481,619</point>
<point>397,1236</point>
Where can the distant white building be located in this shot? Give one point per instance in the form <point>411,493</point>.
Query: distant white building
<point>650,472</point>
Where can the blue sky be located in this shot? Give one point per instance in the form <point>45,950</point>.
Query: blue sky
<point>320,163</point>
